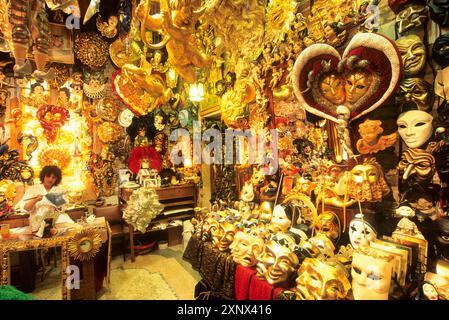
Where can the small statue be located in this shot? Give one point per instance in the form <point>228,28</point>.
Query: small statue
<point>372,140</point>
<point>343,130</point>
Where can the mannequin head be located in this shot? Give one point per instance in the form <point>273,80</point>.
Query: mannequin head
<point>371,277</point>
<point>361,231</point>
<point>415,127</point>
<point>413,54</point>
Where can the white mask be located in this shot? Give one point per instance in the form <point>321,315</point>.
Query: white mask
<point>415,127</point>
<point>371,277</point>
<point>360,233</point>
<point>280,218</point>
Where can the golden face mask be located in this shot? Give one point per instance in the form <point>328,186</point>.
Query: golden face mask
<point>327,223</point>
<point>333,88</point>
<point>320,281</point>
<point>276,263</point>
<point>418,164</point>
<point>412,17</point>
<point>208,228</point>
<point>416,90</point>
<point>357,85</point>
<point>413,54</point>
<point>223,235</point>
<point>367,182</point>
<point>245,248</point>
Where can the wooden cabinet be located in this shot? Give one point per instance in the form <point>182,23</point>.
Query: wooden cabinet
<point>179,202</point>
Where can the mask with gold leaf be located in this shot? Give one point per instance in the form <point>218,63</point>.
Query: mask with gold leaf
<point>7,192</point>
<point>327,223</point>
<point>208,228</point>
<point>318,280</point>
<point>367,182</point>
<point>417,91</point>
<point>413,54</point>
<point>245,248</point>
<point>411,17</point>
<point>223,235</point>
<point>417,165</point>
<point>278,260</point>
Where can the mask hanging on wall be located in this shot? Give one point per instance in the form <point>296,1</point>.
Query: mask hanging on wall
<point>413,54</point>
<point>417,91</point>
<point>440,232</point>
<point>411,18</point>
<point>371,140</point>
<point>439,12</point>
<point>415,127</point>
<point>361,231</point>
<point>417,165</point>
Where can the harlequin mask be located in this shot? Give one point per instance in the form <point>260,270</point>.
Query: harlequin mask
<point>367,182</point>
<point>417,164</point>
<point>320,281</point>
<point>277,262</point>
<point>411,17</point>
<point>245,248</point>
<point>415,127</point>
<point>413,54</point>
<point>327,223</point>
<point>371,277</point>
<point>361,231</point>
<point>417,91</point>
<point>223,236</point>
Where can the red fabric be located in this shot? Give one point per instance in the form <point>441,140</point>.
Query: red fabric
<point>260,289</point>
<point>147,152</point>
<point>243,277</point>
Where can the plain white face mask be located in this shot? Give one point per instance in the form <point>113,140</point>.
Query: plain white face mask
<point>415,127</point>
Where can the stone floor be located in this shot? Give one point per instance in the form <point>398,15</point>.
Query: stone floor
<point>159,275</point>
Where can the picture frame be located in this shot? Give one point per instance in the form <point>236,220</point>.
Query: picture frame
<point>150,183</point>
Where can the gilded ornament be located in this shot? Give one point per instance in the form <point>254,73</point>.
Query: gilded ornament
<point>85,244</point>
<point>91,49</point>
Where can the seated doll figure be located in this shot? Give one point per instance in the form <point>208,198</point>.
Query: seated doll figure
<point>405,225</point>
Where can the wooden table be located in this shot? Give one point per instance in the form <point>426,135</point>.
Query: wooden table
<point>24,242</point>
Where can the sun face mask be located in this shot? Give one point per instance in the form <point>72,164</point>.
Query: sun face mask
<point>415,127</point>
<point>413,54</point>
<point>320,281</point>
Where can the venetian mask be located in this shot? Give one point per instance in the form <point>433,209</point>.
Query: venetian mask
<point>281,218</point>
<point>413,54</point>
<point>327,223</point>
<point>415,127</point>
<point>361,231</point>
<point>245,248</point>
<point>429,291</point>
<point>266,211</point>
<point>247,193</point>
<point>223,235</point>
<point>441,84</point>
<point>367,182</point>
<point>277,262</point>
<point>318,280</point>
<point>371,277</point>
<point>439,12</point>
<point>411,17</point>
<point>323,244</point>
<point>417,164</point>
<point>208,228</point>
<point>405,211</point>
<point>440,232</point>
<point>417,91</point>
<point>333,88</point>
<point>357,85</point>
<point>440,51</point>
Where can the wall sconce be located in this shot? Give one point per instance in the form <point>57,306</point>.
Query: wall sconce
<point>196,92</point>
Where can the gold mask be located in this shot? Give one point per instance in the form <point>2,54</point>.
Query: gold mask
<point>223,235</point>
<point>418,164</point>
<point>245,248</point>
<point>413,54</point>
<point>333,88</point>
<point>416,90</point>
<point>357,85</point>
<point>277,262</point>
<point>320,281</point>
<point>412,17</point>
<point>327,223</point>
<point>208,228</point>
<point>367,182</point>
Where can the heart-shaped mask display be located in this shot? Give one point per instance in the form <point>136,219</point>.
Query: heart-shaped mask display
<point>362,79</point>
